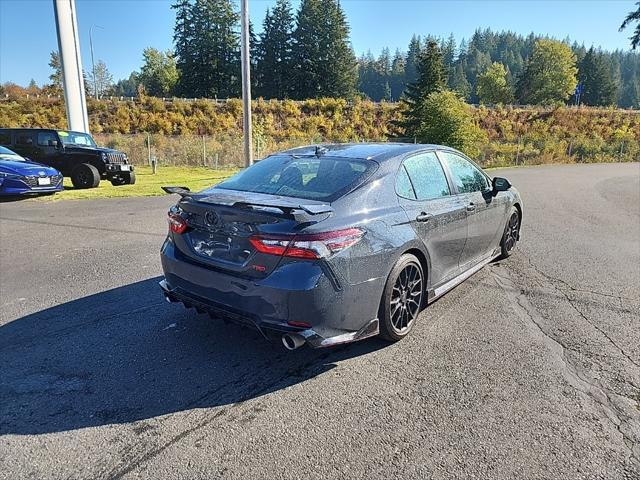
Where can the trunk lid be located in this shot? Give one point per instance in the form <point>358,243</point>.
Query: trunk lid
<point>222,222</point>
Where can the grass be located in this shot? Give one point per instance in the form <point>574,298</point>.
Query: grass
<point>147,184</point>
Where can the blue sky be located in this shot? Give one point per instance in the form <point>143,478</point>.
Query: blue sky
<point>27,30</point>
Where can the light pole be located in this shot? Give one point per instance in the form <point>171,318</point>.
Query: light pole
<point>69,48</point>
<point>246,84</point>
<point>93,65</point>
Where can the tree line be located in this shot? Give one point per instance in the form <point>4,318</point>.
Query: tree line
<point>307,54</point>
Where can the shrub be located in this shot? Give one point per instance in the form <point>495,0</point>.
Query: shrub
<point>448,120</point>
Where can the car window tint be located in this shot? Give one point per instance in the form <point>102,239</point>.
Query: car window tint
<point>46,139</point>
<point>466,177</point>
<point>24,139</point>
<point>427,176</point>
<point>313,178</point>
<point>403,185</point>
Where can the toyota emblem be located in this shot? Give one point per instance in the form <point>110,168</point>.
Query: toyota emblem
<point>211,218</point>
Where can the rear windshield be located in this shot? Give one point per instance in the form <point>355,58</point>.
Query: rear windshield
<point>311,178</point>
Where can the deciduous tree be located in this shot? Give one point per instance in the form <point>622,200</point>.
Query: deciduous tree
<point>448,120</point>
<point>550,74</point>
<point>158,74</point>
<point>492,86</point>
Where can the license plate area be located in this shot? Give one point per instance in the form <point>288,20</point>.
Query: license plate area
<point>44,181</point>
<point>218,246</point>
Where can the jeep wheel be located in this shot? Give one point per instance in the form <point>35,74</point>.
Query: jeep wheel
<point>85,176</point>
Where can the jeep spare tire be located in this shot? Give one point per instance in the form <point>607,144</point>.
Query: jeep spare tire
<point>85,176</point>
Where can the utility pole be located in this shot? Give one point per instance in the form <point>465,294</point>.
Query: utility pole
<point>246,84</point>
<point>93,63</point>
<point>72,79</point>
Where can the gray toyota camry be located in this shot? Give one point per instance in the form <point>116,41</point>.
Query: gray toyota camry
<point>336,243</point>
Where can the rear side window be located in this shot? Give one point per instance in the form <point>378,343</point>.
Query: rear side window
<point>465,175</point>
<point>47,139</point>
<point>24,139</point>
<point>427,177</point>
<point>321,178</point>
<point>403,184</point>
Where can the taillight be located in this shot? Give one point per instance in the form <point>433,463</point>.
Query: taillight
<point>311,246</point>
<point>177,224</point>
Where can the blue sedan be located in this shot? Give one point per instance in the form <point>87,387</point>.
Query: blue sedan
<point>19,176</point>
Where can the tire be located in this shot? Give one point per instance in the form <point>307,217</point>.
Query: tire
<point>511,233</point>
<point>127,178</point>
<point>402,298</point>
<point>85,176</point>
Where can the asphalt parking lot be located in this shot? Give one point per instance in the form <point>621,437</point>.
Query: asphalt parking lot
<point>529,369</point>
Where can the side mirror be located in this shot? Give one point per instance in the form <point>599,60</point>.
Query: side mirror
<point>53,143</point>
<point>500,184</point>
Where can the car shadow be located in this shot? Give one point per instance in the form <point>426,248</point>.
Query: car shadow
<point>125,355</point>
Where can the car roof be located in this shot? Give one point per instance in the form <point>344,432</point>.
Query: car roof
<point>364,151</point>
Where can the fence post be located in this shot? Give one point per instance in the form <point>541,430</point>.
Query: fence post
<point>621,149</point>
<point>154,164</point>
<point>518,151</point>
<point>570,148</point>
<point>204,151</point>
<point>216,159</point>
<point>149,148</point>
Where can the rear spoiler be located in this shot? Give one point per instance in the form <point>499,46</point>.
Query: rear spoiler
<point>293,209</point>
<point>182,191</point>
<point>289,209</point>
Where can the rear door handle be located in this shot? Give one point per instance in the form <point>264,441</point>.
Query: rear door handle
<point>471,207</point>
<point>424,217</point>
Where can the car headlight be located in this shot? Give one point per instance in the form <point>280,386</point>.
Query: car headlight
<point>9,175</point>
<point>103,156</point>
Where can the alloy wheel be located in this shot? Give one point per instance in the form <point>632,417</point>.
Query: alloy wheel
<point>406,298</point>
<point>511,232</point>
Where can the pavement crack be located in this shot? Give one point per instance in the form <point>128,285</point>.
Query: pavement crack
<point>553,280</point>
<point>578,380</point>
<point>572,302</point>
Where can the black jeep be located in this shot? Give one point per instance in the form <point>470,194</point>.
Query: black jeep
<point>74,154</point>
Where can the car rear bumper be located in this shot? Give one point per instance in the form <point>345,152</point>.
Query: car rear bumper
<point>298,299</point>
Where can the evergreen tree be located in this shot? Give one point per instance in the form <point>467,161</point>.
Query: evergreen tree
<point>207,48</point>
<point>325,62</point>
<point>431,78</point>
<point>633,16</point>
<point>599,87</point>
<point>397,81</point>
<point>127,87</point>
<point>56,75</point>
<point>630,94</point>
<point>413,57</point>
<point>101,81</point>
<point>274,52</point>
<point>185,48</point>
<point>459,83</point>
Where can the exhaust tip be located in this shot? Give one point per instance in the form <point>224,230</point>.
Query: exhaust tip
<point>291,342</point>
